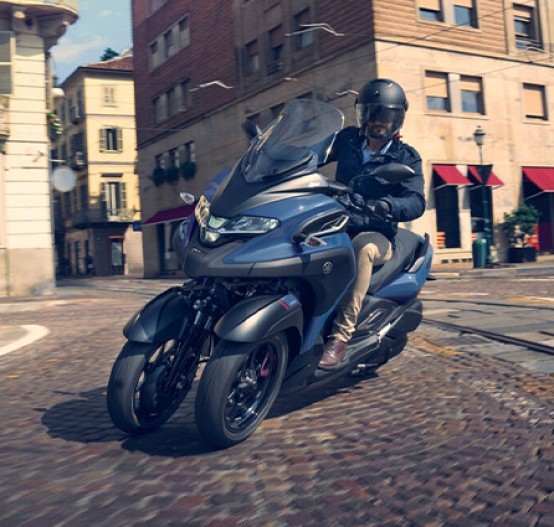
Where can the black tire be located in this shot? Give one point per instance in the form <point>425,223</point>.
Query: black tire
<point>129,374</point>
<point>229,405</point>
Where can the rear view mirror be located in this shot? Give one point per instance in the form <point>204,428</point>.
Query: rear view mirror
<point>251,129</point>
<point>393,172</point>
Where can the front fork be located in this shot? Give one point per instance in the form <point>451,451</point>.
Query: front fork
<point>192,337</point>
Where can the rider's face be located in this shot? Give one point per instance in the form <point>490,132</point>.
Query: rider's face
<point>378,129</point>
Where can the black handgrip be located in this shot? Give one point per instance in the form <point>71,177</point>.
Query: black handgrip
<point>335,186</point>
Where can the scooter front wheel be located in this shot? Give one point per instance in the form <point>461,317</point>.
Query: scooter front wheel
<point>136,398</point>
<point>238,387</point>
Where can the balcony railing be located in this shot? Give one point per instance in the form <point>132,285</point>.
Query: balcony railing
<point>84,218</point>
<point>70,4</point>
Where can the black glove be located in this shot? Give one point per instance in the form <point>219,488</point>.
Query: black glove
<point>379,208</point>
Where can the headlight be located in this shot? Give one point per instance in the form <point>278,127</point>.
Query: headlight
<point>202,211</point>
<point>249,225</point>
<point>215,227</point>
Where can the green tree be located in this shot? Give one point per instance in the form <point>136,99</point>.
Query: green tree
<point>109,53</point>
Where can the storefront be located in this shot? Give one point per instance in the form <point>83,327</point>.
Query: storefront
<point>538,190</point>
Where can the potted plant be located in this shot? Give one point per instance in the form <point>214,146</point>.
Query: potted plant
<point>518,227</point>
<point>188,169</point>
<point>158,176</point>
<point>172,174</point>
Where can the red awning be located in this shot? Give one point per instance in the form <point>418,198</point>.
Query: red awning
<point>542,177</point>
<point>163,216</point>
<point>450,175</point>
<point>493,181</point>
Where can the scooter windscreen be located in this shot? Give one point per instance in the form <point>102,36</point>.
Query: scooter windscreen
<point>300,136</point>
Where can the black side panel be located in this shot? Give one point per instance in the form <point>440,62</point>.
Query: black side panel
<point>259,317</point>
<point>159,320</point>
<point>328,273</point>
<point>203,261</point>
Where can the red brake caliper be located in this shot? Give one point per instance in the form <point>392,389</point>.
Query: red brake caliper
<point>264,371</point>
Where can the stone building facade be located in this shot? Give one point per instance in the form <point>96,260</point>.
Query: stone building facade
<point>98,220</point>
<point>27,31</point>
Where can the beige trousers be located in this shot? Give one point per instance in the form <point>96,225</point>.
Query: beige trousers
<point>370,248</point>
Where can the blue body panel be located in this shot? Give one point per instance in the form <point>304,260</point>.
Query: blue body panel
<point>406,285</point>
<point>278,244</point>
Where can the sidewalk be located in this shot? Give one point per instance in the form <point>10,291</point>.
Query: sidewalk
<point>544,264</point>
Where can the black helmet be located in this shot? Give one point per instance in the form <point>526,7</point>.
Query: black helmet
<point>381,107</point>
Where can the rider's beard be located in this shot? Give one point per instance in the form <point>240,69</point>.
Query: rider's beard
<point>379,131</point>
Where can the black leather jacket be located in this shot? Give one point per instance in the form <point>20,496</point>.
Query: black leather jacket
<point>406,199</point>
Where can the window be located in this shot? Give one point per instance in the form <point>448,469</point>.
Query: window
<point>83,191</point>
<point>80,104</point>
<point>169,44</point>
<point>526,27</point>
<point>171,102</point>
<point>306,38</point>
<point>184,32</point>
<point>160,161</point>
<point>154,5</point>
<point>111,140</point>
<point>431,10</point>
<point>6,62</point>
<point>189,151</point>
<point>276,50</point>
<point>183,96</point>
<point>174,157</point>
<point>437,92</point>
<point>472,95</point>
<point>109,95</point>
<point>114,196</point>
<point>153,55</point>
<point>465,13</point>
<point>534,102</point>
<point>252,58</point>
<point>160,108</point>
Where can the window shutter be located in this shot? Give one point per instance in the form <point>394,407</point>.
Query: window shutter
<point>436,84</point>
<point>431,5</point>
<point>123,196</point>
<point>533,99</point>
<point>276,36</point>
<point>523,12</point>
<point>5,58</point>
<point>102,140</point>
<point>119,139</point>
<point>464,3</point>
<point>103,192</point>
<point>472,84</point>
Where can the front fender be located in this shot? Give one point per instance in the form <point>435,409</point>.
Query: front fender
<point>159,320</point>
<point>259,317</point>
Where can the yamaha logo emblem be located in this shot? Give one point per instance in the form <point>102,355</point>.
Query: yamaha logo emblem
<point>327,267</point>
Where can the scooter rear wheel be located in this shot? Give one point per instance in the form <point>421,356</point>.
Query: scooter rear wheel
<point>238,388</point>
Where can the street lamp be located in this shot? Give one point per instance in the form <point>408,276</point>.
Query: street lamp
<point>479,138</point>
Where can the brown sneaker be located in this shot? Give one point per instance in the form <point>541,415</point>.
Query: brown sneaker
<point>333,353</point>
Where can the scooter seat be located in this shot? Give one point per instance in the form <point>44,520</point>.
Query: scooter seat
<point>407,244</point>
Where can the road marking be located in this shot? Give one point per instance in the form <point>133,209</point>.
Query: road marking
<point>34,333</point>
<point>427,312</point>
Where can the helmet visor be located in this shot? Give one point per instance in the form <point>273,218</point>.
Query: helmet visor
<point>380,122</point>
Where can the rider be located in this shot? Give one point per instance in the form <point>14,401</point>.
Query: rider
<point>380,108</point>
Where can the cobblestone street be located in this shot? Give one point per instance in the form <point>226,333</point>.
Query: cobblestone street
<point>439,437</point>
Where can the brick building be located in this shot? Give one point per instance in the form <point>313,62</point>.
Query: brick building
<point>463,63</point>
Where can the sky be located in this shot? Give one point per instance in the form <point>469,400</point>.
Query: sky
<point>102,24</point>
